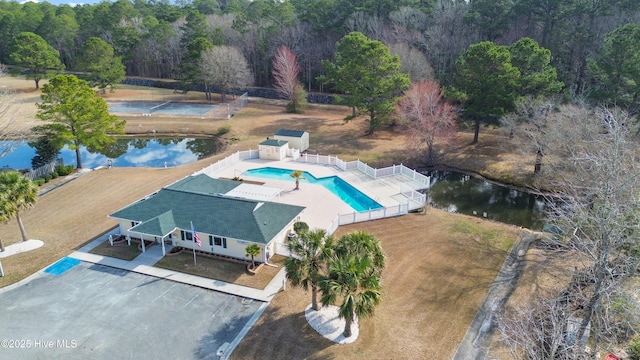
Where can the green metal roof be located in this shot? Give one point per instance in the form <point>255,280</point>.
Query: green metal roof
<point>161,224</point>
<point>290,133</point>
<point>273,142</point>
<point>204,184</point>
<point>174,207</point>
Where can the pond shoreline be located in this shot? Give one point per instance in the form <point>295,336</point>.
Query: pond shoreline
<point>154,151</point>
<point>494,181</point>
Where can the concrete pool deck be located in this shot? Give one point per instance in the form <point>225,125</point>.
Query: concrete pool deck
<point>322,206</point>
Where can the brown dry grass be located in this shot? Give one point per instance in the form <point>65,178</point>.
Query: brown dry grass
<point>436,277</point>
<point>220,269</point>
<point>492,156</point>
<point>122,251</point>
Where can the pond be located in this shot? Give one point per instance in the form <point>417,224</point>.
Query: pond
<point>125,152</point>
<point>460,193</point>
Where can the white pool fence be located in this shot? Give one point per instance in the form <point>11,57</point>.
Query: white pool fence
<point>43,170</point>
<point>414,200</point>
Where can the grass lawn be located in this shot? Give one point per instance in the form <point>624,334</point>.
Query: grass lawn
<point>439,269</point>
<point>121,250</point>
<point>220,269</point>
<point>439,265</point>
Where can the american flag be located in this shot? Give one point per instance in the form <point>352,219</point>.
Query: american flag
<point>196,238</point>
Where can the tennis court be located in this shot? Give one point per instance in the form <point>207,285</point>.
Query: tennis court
<point>162,108</point>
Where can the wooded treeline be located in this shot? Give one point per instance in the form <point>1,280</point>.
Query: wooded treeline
<point>151,37</point>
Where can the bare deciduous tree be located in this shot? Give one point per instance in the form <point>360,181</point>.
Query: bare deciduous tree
<point>448,36</point>
<point>543,127</point>
<point>225,68</point>
<point>7,115</point>
<point>285,74</point>
<point>598,211</point>
<point>414,62</point>
<point>534,330</point>
<point>427,117</point>
<point>370,25</point>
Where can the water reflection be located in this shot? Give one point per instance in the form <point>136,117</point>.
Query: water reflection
<point>464,194</point>
<point>125,152</point>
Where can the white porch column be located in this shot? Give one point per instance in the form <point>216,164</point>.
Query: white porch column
<point>163,251</point>
<point>142,242</point>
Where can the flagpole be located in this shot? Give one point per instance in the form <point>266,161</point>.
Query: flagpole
<point>193,237</point>
<point>194,255</point>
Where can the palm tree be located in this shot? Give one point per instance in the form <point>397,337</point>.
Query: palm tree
<point>17,193</point>
<point>253,250</point>
<point>356,281</point>
<point>310,252</point>
<point>362,244</point>
<point>355,271</point>
<point>298,175</point>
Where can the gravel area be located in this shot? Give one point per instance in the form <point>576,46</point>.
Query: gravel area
<point>328,324</point>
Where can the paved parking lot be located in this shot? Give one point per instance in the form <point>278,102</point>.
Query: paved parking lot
<point>98,312</point>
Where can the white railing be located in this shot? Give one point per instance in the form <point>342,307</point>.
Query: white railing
<point>43,170</point>
<point>359,165</point>
<point>415,200</point>
<point>356,217</point>
<point>319,159</point>
<point>293,153</point>
<point>227,161</point>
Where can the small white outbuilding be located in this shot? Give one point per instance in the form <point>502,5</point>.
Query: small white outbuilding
<point>272,149</point>
<point>297,139</point>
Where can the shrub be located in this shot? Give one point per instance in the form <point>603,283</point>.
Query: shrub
<point>54,175</point>
<point>223,129</point>
<point>64,170</point>
<point>300,227</point>
<point>48,177</point>
<point>633,349</point>
<point>38,181</point>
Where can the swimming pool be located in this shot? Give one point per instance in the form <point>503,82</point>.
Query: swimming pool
<point>347,193</point>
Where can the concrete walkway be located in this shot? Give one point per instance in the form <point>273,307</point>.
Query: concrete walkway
<point>45,189</point>
<point>476,341</point>
<point>20,247</point>
<point>144,262</point>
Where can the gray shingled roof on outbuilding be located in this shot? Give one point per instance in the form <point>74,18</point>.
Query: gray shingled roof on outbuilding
<point>273,142</point>
<point>189,200</point>
<point>290,133</point>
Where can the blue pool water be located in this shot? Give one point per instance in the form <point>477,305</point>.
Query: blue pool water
<point>64,264</point>
<point>347,193</point>
<point>156,107</point>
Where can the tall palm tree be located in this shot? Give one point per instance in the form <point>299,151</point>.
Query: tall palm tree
<point>362,244</point>
<point>356,281</point>
<point>310,252</point>
<point>298,175</point>
<point>17,193</point>
<point>253,250</point>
